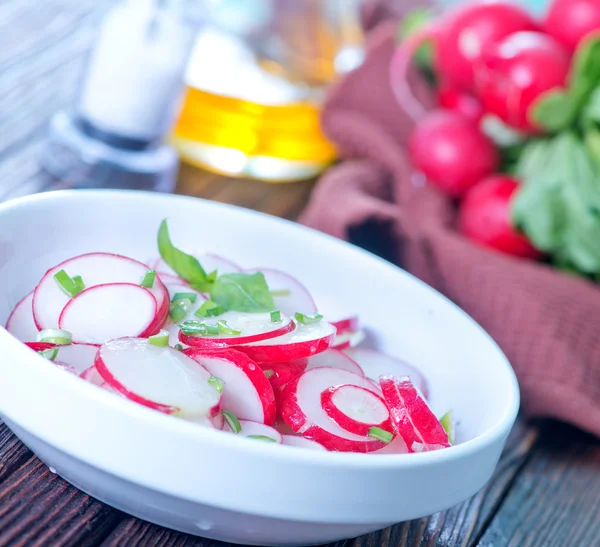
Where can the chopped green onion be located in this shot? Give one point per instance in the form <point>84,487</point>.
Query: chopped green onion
<point>448,425</point>
<point>49,354</point>
<point>191,296</point>
<point>160,340</point>
<point>177,313</point>
<point>262,438</point>
<point>224,328</point>
<point>148,279</point>
<point>55,336</point>
<point>284,292</point>
<point>307,319</point>
<point>184,303</point>
<point>232,421</point>
<point>178,347</point>
<point>217,383</point>
<point>276,316</point>
<point>196,328</point>
<point>210,309</point>
<point>70,286</point>
<point>268,373</point>
<point>381,435</point>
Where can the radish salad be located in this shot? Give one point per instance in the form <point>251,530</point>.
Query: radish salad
<point>245,351</point>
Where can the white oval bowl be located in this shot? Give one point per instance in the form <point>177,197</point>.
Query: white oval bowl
<point>214,484</point>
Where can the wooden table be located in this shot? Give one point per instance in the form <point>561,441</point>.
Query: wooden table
<point>546,489</point>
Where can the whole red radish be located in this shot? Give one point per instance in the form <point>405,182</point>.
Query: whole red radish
<point>569,21</point>
<point>518,70</point>
<point>452,152</point>
<point>459,37</point>
<point>459,101</point>
<point>485,217</point>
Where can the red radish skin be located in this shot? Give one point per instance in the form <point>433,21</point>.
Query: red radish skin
<point>485,217</point>
<point>375,364</point>
<point>571,21</point>
<point>226,341</point>
<point>284,372</point>
<point>348,324</point>
<point>412,419</point>
<point>299,299</point>
<point>517,72</point>
<point>95,269</point>
<point>40,346</point>
<point>336,359</point>
<point>461,102</point>
<point>356,409</point>
<point>92,376</point>
<point>460,37</point>
<point>348,339</point>
<point>452,152</point>
<point>300,406</point>
<point>301,442</point>
<point>247,391</point>
<point>20,323</point>
<point>303,342</point>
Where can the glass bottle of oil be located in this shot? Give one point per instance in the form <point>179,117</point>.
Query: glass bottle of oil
<point>255,84</point>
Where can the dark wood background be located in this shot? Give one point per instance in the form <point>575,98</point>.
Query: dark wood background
<point>546,489</point>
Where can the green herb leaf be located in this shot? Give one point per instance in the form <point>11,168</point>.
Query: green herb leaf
<point>448,425</point>
<point>262,438</point>
<point>381,435</point>
<point>191,296</point>
<point>178,347</point>
<point>160,340</point>
<point>217,383</point>
<point>242,292</point>
<point>148,279</point>
<point>209,309</point>
<point>70,286</point>
<point>282,292</point>
<point>308,319</point>
<point>232,421</point>
<point>185,266</point>
<point>55,336</point>
<point>197,328</point>
<point>268,373</point>
<point>177,312</point>
<point>224,328</point>
<point>276,316</point>
<point>49,354</point>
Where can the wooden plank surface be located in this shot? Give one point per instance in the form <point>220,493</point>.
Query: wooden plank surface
<point>546,490</point>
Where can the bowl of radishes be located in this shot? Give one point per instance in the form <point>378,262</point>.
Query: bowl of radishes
<point>237,376</point>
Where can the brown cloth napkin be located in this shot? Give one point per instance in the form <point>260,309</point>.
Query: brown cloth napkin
<point>546,322</point>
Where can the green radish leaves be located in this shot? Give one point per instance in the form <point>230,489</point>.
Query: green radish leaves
<point>233,291</point>
<point>559,109</point>
<point>413,22</point>
<point>243,292</point>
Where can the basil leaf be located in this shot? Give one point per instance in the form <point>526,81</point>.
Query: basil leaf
<point>554,110</point>
<point>242,292</point>
<point>185,266</point>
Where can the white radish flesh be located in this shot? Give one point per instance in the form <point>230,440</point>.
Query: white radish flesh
<point>397,446</point>
<point>106,312</point>
<point>158,377</point>
<point>347,324</point>
<point>376,364</point>
<point>252,327</point>
<point>247,391</point>
<point>290,295</point>
<point>80,357</point>
<point>95,269</point>
<point>348,339</point>
<point>20,323</point>
<point>301,442</point>
<point>300,406</point>
<point>336,359</point>
<point>304,341</point>
<point>256,429</point>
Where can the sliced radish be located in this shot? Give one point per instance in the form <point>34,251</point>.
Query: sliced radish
<point>348,324</point>
<point>253,327</point>
<point>336,359</point>
<point>411,417</point>
<point>92,376</point>
<point>106,312</point>
<point>397,446</point>
<point>20,322</point>
<point>376,364</point>
<point>208,261</point>
<point>300,406</point>
<point>304,341</point>
<point>247,391</point>
<point>161,378</point>
<point>289,294</point>
<point>356,409</point>
<point>65,367</point>
<point>301,442</point>
<point>95,269</point>
<point>256,430</point>
<point>40,346</point>
<point>79,357</point>
<point>284,428</point>
<point>348,339</point>
<point>282,373</point>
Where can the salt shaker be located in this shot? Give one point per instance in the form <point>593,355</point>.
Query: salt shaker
<point>128,99</point>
